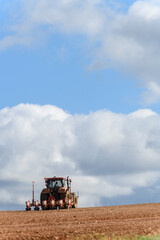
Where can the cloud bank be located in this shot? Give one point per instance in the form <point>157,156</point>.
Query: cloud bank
<point>107,155</point>
<point>126,40</point>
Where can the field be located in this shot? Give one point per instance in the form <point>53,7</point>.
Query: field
<point>128,221</point>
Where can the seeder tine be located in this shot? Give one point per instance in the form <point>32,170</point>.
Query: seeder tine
<point>28,206</point>
<point>36,205</point>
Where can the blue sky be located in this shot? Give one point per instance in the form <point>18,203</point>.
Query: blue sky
<point>57,72</point>
<point>37,76</point>
<point>79,96</point>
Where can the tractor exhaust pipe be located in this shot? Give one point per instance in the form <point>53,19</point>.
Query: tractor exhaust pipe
<point>33,192</point>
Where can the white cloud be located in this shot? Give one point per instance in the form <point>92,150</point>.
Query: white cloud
<point>132,44</point>
<point>112,154</point>
<point>66,16</point>
<point>128,41</point>
<point>151,95</point>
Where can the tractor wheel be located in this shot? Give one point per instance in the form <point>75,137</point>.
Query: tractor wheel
<point>75,205</point>
<point>44,197</point>
<point>66,200</point>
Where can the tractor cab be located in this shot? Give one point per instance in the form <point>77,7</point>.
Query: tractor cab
<point>55,183</point>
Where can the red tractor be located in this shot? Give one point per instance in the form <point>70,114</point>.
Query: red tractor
<point>56,195</point>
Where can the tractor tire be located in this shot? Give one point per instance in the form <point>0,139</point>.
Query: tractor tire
<point>75,205</point>
<point>42,198</point>
<point>66,200</point>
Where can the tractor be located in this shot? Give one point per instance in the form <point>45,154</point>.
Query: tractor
<point>56,195</point>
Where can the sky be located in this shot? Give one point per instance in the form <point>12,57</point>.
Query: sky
<point>80,96</point>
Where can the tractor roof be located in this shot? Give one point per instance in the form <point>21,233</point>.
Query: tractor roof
<point>56,178</point>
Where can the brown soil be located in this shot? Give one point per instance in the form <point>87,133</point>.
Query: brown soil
<point>129,220</point>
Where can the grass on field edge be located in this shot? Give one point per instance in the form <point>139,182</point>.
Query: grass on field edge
<point>100,237</point>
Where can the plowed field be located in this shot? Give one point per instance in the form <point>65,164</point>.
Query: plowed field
<point>129,220</point>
